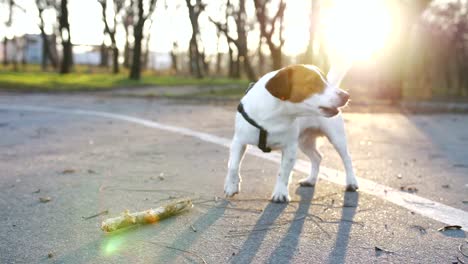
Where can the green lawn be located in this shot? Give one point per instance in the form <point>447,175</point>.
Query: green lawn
<point>50,81</point>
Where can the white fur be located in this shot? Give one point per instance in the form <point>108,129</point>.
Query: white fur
<point>289,126</point>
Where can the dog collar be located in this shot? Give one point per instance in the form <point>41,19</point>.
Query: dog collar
<point>262,137</point>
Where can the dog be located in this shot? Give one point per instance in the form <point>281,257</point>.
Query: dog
<point>285,110</point>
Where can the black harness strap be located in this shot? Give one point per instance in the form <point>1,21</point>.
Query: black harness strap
<point>262,138</point>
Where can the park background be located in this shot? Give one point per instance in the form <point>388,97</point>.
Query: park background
<point>401,50</point>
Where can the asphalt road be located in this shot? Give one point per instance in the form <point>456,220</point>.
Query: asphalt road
<point>88,164</point>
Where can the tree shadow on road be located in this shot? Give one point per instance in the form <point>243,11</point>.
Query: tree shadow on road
<point>340,248</point>
<point>285,250</point>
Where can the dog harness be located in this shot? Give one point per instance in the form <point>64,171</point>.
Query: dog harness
<point>262,137</point>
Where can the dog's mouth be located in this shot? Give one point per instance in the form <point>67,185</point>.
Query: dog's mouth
<point>329,111</point>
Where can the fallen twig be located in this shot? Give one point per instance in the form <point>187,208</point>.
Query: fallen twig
<point>460,248</point>
<point>421,229</point>
<point>95,215</point>
<point>321,228</point>
<point>178,249</point>
<point>460,261</point>
<point>45,199</point>
<point>145,217</point>
<point>324,196</point>
<point>379,251</point>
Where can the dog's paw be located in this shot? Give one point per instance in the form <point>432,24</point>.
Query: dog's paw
<point>280,195</point>
<point>231,189</point>
<point>352,187</point>
<point>280,198</point>
<point>306,182</point>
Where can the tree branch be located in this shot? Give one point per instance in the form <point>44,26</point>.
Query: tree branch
<point>223,29</point>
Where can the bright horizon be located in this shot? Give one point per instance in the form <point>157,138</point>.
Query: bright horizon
<point>356,30</point>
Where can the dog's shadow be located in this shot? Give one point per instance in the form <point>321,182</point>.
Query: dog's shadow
<point>350,204</point>
<point>286,248</point>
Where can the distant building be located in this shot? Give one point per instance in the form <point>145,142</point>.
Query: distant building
<point>28,49</point>
<point>159,60</point>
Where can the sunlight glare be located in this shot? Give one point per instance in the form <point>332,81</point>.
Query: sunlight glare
<point>357,29</point>
<point>112,244</point>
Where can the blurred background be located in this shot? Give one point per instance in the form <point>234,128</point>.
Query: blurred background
<point>402,50</point>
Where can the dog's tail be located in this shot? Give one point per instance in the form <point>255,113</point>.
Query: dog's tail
<point>338,71</point>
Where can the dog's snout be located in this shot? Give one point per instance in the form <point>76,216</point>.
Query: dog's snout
<point>344,96</point>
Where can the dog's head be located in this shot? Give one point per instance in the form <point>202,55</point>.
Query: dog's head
<point>306,87</point>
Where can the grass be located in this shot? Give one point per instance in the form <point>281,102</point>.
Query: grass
<point>234,93</point>
<point>85,79</point>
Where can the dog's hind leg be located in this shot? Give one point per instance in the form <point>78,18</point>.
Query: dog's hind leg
<point>233,179</point>
<point>337,137</point>
<point>308,145</point>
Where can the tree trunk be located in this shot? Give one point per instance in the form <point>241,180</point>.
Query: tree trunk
<point>174,66</point>
<point>135,71</point>
<point>232,64</point>
<point>276,57</point>
<point>45,51</point>
<point>126,62</point>
<point>309,56</point>
<point>267,30</point>
<point>67,59</point>
<point>196,63</point>
<point>195,58</point>
<point>104,54</point>
<point>5,51</point>
<point>115,60</point>
<point>242,42</point>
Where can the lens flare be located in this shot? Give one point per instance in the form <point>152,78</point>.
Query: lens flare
<point>112,244</point>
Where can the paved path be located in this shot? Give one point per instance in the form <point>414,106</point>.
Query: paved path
<point>113,165</point>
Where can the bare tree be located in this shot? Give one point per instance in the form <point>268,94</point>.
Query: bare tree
<point>47,54</point>
<point>146,56</point>
<point>234,69</point>
<point>409,12</point>
<point>117,8</point>
<point>218,52</point>
<point>196,60</point>
<point>128,23</point>
<point>309,55</point>
<point>241,41</point>
<point>142,16</point>
<point>65,33</point>
<point>10,5</point>
<point>174,49</point>
<point>268,26</point>
<point>444,63</point>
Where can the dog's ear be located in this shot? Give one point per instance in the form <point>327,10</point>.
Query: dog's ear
<point>280,85</point>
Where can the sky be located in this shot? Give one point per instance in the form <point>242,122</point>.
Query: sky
<point>366,20</point>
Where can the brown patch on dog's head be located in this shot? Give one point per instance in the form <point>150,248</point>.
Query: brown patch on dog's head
<point>296,83</point>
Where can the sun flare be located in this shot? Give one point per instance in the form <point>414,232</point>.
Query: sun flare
<point>356,29</point>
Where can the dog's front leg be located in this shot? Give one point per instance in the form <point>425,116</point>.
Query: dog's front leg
<point>288,159</point>
<point>233,179</point>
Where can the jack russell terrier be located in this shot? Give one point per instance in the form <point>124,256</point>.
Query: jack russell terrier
<point>287,109</point>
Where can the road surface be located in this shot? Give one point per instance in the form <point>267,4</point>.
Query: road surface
<point>89,162</point>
